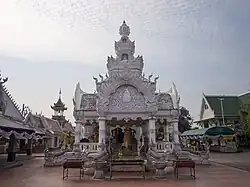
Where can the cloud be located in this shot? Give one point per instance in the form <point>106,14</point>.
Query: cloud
<point>202,45</point>
<point>83,31</point>
<point>26,34</point>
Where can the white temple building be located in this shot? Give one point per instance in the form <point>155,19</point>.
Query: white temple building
<point>126,110</point>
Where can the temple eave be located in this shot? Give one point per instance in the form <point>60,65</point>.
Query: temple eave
<point>58,108</point>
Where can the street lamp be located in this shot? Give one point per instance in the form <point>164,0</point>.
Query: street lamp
<point>222,110</point>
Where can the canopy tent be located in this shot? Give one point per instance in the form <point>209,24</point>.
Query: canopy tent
<point>213,131</point>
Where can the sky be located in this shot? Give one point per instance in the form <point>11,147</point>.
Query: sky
<point>47,45</point>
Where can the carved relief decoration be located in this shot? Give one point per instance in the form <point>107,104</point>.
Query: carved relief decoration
<point>88,102</point>
<point>164,101</point>
<point>127,99</point>
<point>109,86</point>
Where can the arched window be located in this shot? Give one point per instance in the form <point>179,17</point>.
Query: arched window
<point>124,56</point>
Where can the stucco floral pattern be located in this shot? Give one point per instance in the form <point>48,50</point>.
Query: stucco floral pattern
<point>127,99</point>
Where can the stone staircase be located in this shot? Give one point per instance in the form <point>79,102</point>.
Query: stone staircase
<point>127,168</point>
<point>128,164</point>
<point>128,161</point>
<point>126,151</point>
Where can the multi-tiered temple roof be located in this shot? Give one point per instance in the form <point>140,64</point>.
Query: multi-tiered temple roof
<point>125,88</point>
<point>59,105</point>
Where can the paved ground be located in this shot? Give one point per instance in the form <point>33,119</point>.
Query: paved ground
<point>237,160</point>
<point>18,162</point>
<point>33,174</point>
<point>19,159</point>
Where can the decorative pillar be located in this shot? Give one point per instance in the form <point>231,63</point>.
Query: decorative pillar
<point>175,131</point>
<point>151,128</point>
<point>139,133</point>
<point>138,138</point>
<point>166,135</point>
<point>77,135</point>
<point>177,147</point>
<point>84,131</point>
<point>102,130</point>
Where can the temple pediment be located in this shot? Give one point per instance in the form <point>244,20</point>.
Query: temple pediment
<point>127,99</point>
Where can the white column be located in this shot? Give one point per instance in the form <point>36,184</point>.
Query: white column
<point>102,130</point>
<point>166,132</point>
<point>151,128</point>
<point>138,137</point>
<point>83,131</point>
<point>175,131</point>
<point>139,133</point>
<point>78,132</point>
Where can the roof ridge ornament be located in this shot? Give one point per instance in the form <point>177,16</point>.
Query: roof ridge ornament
<point>124,29</point>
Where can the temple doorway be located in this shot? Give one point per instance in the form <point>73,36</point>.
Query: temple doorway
<point>124,139</point>
<point>118,135</point>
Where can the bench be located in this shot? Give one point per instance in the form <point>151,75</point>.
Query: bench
<point>184,164</point>
<point>73,164</point>
<point>127,163</point>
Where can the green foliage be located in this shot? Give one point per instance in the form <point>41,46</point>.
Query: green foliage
<point>185,119</point>
<point>245,117</point>
<point>247,123</point>
<point>67,141</point>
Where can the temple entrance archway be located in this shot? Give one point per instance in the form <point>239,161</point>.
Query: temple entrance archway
<point>125,136</point>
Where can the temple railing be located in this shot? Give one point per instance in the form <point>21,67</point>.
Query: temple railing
<point>162,147</point>
<point>91,147</point>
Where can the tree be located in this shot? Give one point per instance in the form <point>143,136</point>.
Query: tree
<point>67,141</point>
<point>185,119</point>
<point>247,124</point>
<point>245,118</point>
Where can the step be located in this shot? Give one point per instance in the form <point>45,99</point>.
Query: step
<point>127,168</point>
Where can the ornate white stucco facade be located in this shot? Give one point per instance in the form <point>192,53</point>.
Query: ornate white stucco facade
<point>126,95</point>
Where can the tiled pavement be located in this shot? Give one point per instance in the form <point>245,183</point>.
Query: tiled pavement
<point>33,174</point>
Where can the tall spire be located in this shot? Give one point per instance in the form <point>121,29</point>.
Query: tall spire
<point>59,106</point>
<point>125,59</point>
<point>60,93</point>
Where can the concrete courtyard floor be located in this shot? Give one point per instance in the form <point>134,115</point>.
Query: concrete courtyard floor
<point>33,174</point>
<point>237,160</point>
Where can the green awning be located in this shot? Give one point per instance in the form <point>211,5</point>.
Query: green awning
<point>213,131</point>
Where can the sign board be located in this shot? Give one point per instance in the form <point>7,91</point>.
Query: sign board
<point>228,137</point>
